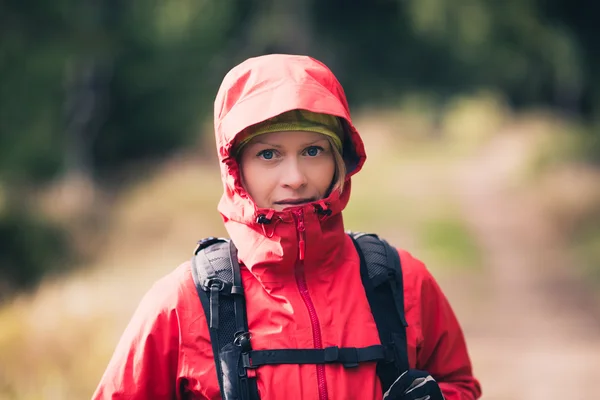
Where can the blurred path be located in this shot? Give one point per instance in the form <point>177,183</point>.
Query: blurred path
<point>530,338</point>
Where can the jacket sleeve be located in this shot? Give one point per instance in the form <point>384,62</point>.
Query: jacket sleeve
<point>443,350</point>
<point>144,364</point>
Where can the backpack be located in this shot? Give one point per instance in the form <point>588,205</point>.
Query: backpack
<point>216,273</point>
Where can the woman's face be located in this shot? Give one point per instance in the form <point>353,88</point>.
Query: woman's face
<point>286,169</point>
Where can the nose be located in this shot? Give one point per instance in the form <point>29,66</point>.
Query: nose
<point>293,176</point>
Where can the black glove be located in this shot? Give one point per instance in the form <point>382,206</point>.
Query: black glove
<point>414,385</point>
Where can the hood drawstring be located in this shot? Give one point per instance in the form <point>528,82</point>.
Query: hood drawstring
<point>322,208</point>
<point>263,220</point>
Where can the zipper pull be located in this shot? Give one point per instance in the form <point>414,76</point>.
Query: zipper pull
<point>301,229</point>
<point>301,249</point>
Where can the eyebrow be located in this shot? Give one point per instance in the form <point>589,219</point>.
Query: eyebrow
<point>278,146</point>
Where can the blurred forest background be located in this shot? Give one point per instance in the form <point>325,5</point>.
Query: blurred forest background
<point>107,104</point>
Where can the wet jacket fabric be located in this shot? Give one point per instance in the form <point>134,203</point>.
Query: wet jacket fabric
<point>300,274</point>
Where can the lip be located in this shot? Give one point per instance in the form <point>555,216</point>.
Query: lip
<point>294,202</point>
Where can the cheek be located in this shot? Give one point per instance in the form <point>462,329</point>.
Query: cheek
<point>324,174</point>
<point>248,177</point>
<point>257,181</point>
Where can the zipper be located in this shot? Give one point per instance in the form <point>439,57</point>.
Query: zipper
<point>301,234</point>
<point>303,288</point>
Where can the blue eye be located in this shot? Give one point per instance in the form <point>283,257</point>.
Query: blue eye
<point>266,154</point>
<point>313,151</point>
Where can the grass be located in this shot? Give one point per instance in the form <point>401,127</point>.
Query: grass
<point>449,243</point>
<point>588,247</point>
<point>564,175</point>
<point>586,242</point>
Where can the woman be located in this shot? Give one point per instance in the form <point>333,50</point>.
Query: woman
<point>287,149</point>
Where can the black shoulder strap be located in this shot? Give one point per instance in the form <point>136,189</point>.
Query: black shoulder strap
<point>217,276</point>
<point>381,274</point>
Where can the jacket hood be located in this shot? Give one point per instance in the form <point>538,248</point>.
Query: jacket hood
<point>252,92</point>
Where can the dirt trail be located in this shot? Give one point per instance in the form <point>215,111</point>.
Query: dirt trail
<point>530,339</point>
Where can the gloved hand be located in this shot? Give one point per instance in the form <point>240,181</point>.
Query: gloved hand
<point>414,385</point>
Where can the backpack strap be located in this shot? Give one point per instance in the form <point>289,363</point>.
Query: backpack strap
<point>381,274</point>
<point>218,280</point>
<point>217,277</point>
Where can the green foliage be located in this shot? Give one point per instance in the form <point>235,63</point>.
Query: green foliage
<point>161,87</point>
<point>586,241</point>
<point>31,64</point>
<point>29,248</point>
<point>565,142</point>
<point>158,64</point>
<point>451,46</point>
<point>450,243</point>
<point>591,146</point>
<point>94,86</point>
<point>153,80</point>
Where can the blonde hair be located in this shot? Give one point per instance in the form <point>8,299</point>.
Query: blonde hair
<point>339,177</point>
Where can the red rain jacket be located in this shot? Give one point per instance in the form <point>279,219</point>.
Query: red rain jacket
<point>300,274</point>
